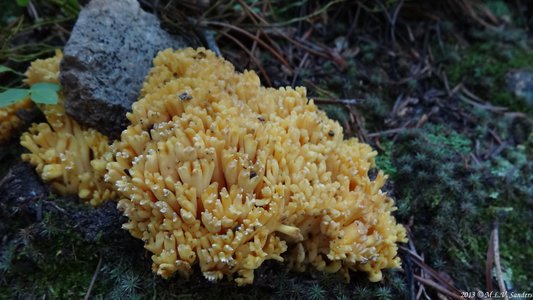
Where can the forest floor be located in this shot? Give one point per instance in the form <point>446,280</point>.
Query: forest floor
<point>437,89</point>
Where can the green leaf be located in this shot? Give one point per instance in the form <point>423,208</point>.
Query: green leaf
<point>23,3</point>
<point>11,96</point>
<point>44,96</point>
<point>46,86</point>
<point>45,92</point>
<point>4,69</point>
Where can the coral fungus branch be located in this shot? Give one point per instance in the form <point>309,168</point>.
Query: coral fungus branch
<point>219,171</point>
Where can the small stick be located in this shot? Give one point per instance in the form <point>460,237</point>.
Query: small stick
<point>209,36</point>
<point>336,101</point>
<point>93,280</point>
<point>438,287</point>
<point>386,132</point>
<point>251,36</point>
<point>254,59</point>
<point>300,66</point>
<point>489,264</point>
<point>499,277</point>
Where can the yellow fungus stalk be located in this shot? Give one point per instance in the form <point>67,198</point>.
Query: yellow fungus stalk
<point>69,157</point>
<point>10,123</point>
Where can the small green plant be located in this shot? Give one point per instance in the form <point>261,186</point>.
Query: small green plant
<point>42,92</point>
<point>71,7</point>
<point>316,292</point>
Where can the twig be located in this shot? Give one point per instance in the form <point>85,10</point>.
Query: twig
<point>483,106</point>
<point>299,69</point>
<point>255,18</point>
<point>495,136</point>
<point>425,269</point>
<point>93,280</point>
<point>480,102</point>
<point>411,252</point>
<point>436,276</point>
<point>489,264</point>
<point>499,149</point>
<point>393,20</point>
<point>256,61</point>
<point>353,26</point>
<point>386,132</point>
<point>410,277</point>
<point>309,83</point>
<point>209,36</point>
<point>32,11</point>
<point>56,206</point>
<point>262,43</point>
<point>499,277</point>
<point>468,7</point>
<point>336,101</point>
<point>420,262</point>
<point>438,287</point>
<point>297,43</point>
<point>309,16</point>
<point>254,45</point>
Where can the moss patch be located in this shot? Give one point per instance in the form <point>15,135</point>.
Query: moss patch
<point>483,67</point>
<point>456,201</point>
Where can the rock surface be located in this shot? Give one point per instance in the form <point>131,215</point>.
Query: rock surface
<point>25,197</point>
<point>22,182</point>
<point>20,189</point>
<point>109,53</point>
<point>520,83</point>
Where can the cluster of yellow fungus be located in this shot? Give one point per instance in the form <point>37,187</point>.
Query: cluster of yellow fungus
<point>72,159</point>
<point>9,121</point>
<point>219,171</point>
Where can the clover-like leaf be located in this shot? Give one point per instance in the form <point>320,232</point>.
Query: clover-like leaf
<point>11,96</point>
<point>45,92</point>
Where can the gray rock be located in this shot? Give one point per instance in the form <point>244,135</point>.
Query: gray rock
<point>24,200</point>
<point>520,83</point>
<point>20,189</point>
<point>106,59</point>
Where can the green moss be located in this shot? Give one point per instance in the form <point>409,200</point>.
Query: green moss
<point>483,66</point>
<point>513,171</point>
<point>455,201</point>
<point>452,141</point>
<point>337,113</point>
<point>499,8</point>
<point>384,159</point>
<point>50,261</point>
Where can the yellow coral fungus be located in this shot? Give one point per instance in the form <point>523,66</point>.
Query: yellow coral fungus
<point>9,121</point>
<point>41,70</point>
<point>217,170</point>
<point>72,159</point>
